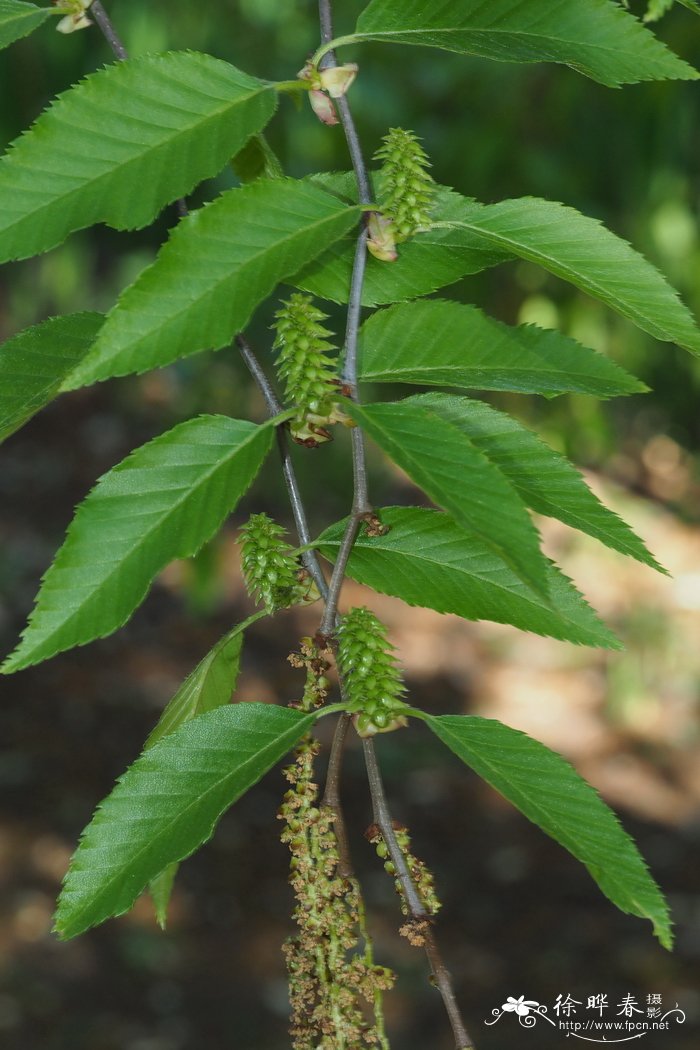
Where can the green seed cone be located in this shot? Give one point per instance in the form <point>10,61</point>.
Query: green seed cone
<point>407,188</point>
<point>308,372</point>
<point>374,686</point>
<point>271,569</point>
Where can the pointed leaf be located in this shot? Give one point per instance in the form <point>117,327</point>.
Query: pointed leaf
<point>429,261</point>
<point>219,264</point>
<point>582,251</point>
<point>209,686</point>
<point>161,889</point>
<point>550,793</point>
<point>595,37</point>
<point>441,343</point>
<point>427,559</point>
<point>443,461</point>
<point>162,502</point>
<point>257,160</point>
<point>546,481</point>
<point>122,144</point>
<point>19,19</point>
<point>35,362</point>
<point>168,803</point>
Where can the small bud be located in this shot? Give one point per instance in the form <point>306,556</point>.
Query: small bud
<point>381,241</point>
<point>337,80</point>
<point>75,15</point>
<point>323,107</point>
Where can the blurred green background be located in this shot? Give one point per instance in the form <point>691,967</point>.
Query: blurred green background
<point>522,918</point>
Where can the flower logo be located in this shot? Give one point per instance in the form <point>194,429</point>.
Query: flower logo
<point>521,1006</point>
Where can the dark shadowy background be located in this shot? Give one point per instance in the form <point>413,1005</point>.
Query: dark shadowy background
<point>520,916</point>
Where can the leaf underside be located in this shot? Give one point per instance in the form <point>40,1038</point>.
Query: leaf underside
<point>168,803</point>
<point>594,37</point>
<point>456,475</point>
<point>426,559</point>
<point>546,481</point>
<point>35,362</point>
<point>19,19</point>
<point>440,343</point>
<point>550,793</point>
<point>122,144</point>
<point>209,686</point>
<point>164,501</point>
<point>219,264</point>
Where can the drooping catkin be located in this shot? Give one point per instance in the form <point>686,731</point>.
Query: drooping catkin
<point>373,682</point>
<point>335,987</point>
<point>407,188</point>
<point>309,373</point>
<point>421,875</point>
<point>271,569</point>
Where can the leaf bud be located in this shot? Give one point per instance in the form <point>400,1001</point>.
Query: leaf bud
<point>337,80</point>
<point>381,242</point>
<point>75,16</point>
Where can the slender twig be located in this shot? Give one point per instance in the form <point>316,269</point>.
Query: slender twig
<point>109,32</point>
<point>441,975</point>
<point>360,508</point>
<point>274,407</point>
<point>331,795</point>
<point>383,820</point>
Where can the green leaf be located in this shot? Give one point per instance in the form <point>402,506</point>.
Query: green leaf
<point>257,160</point>
<point>429,261</point>
<point>161,888</point>
<point>550,793</point>
<point>126,141</point>
<point>691,5</point>
<point>546,481</point>
<point>594,37</point>
<point>162,502</point>
<point>209,686</point>
<point>441,343</point>
<point>427,559</point>
<point>19,19</point>
<point>168,803</point>
<point>35,362</point>
<point>449,467</point>
<point>582,251</point>
<point>219,264</point>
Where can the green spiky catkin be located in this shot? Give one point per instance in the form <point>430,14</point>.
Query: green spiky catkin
<point>309,373</point>
<point>271,569</point>
<point>374,687</point>
<point>407,189</point>
<point>333,983</point>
